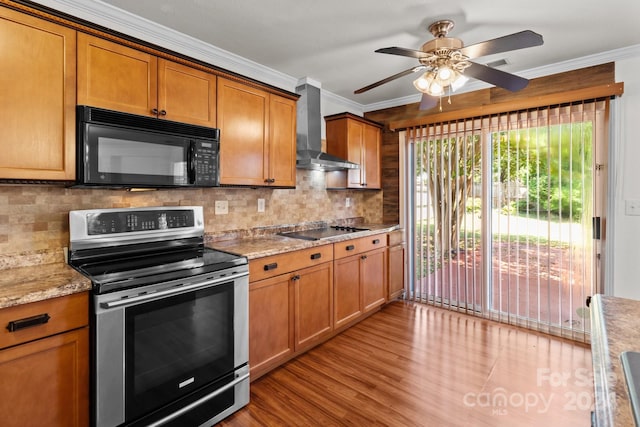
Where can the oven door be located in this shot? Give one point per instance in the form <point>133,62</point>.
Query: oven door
<point>162,347</point>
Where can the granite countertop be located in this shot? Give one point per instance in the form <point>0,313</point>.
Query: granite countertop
<point>615,327</point>
<point>22,285</point>
<point>258,247</point>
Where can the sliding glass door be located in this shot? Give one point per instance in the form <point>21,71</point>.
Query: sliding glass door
<point>506,215</point>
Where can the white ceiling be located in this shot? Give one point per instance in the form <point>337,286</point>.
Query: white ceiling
<point>333,41</point>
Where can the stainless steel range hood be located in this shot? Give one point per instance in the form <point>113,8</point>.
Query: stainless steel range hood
<point>309,129</point>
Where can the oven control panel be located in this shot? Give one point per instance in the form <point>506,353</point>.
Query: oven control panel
<point>123,222</point>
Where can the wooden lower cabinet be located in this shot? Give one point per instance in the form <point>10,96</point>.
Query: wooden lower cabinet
<point>313,305</point>
<point>290,305</point>
<point>395,271</point>
<point>360,278</point>
<point>44,382</point>
<point>270,323</point>
<point>360,285</point>
<point>44,368</point>
<point>347,290</point>
<point>374,283</point>
<point>300,299</point>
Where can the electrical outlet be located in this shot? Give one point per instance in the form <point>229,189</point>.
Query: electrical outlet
<point>347,202</point>
<point>632,207</point>
<point>221,207</point>
<point>260,205</point>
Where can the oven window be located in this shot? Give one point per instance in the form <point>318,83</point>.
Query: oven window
<point>176,345</point>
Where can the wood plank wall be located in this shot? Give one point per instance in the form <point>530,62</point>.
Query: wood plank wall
<point>555,83</point>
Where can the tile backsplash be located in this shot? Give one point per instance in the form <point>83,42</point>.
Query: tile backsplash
<point>34,219</point>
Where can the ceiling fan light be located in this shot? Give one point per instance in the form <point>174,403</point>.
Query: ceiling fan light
<point>445,74</point>
<point>423,82</point>
<point>458,82</point>
<point>435,89</point>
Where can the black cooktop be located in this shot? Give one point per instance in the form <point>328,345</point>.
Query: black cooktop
<point>153,267</point>
<point>322,233</point>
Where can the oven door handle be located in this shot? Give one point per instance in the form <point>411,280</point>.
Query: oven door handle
<point>171,291</point>
<point>200,401</point>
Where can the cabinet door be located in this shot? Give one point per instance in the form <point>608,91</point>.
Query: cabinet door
<point>46,382</point>
<point>37,83</point>
<point>185,94</point>
<point>374,278</point>
<point>116,77</point>
<point>346,289</point>
<point>282,141</point>
<point>395,267</point>
<point>270,322</point>
<point>355,144</point>
<point>314,304</point>
<point>243,122</point>
<point>371,157</point>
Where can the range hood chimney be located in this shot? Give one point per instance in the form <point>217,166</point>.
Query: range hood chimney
<point>309,130</point>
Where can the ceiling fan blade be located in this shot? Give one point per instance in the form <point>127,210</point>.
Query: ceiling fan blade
<point>390,78</point>
<point>427,102</point>
<point>514,41</point>
<point>496,77</point>
<point>412,53</point>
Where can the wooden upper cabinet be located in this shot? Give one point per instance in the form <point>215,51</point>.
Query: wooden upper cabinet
<point>120,78</point>
<point>38,87</point>
<point>257,136</point>
<point>243,117</point>
<point>282,141</point>
<point>371,157</point>
<point>186,94</point>
<point>358,140</point>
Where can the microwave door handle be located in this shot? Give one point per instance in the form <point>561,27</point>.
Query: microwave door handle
<point>191,162</point>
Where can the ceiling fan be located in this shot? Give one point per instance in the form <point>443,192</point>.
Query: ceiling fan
<point>446,63</point>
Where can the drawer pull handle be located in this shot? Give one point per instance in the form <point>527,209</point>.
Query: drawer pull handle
<point>40,319</point>
<point>376,241</point>
<point>350,247</point>
<point>271,266</point>
<point>316,256</point>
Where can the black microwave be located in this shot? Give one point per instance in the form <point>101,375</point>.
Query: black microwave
<point>121,150</point>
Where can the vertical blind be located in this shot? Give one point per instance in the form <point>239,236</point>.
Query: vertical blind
<point>504,209</point>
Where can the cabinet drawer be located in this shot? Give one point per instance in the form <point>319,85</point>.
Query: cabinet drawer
<point>356,246</point>
<point>270,266</point>
<point>43,318</point>
<point>396,237</point>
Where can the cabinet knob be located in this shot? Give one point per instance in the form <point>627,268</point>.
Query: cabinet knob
<point>163,113</point>
<point>376,241</point>
<point>350,247</point>
<point>295,277</point>
<point>363,257</point>
<point>316,256</point>
<point>154,111</point>
<point>270,180</point>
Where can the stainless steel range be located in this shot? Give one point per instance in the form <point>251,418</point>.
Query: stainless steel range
<point>169,317</point>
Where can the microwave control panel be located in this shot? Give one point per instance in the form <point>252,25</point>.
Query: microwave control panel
<point>206,163</point>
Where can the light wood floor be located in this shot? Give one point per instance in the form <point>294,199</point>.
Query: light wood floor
<point>416,365</point>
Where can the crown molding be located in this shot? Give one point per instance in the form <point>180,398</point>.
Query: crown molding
<point>116,19</point>
<point>127,23</point>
